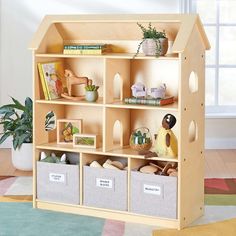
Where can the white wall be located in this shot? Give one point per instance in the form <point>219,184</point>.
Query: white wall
<point>20,19</point>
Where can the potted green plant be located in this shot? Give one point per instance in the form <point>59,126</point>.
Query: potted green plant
<point>91,93</point>
<point>16,120</point>
<point>154,43</point>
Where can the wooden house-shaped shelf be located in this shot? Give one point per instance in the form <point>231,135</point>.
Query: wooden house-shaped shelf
<point>182,70</point>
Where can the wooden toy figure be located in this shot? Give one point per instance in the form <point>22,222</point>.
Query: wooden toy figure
<point>166,141</point>
<point>71,80</point>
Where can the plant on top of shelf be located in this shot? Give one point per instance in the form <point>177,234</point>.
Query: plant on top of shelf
<point>91,93</point>
<point>154,43</point>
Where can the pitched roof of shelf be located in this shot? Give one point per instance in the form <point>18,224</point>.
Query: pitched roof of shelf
<point>186,21</point>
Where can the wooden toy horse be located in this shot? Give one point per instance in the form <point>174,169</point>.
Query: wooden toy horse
<point>72,79</point>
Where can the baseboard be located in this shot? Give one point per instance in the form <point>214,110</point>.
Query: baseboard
<point>220,143</point>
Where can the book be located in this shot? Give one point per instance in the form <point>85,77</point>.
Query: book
<point>52,79</point>
<point>86,49</point>
<point>83,51</point>
<point>150,101</point>
<point>85,46</point>
<point>43,83</point>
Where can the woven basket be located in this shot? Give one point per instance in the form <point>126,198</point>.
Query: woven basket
<point>149,46</point>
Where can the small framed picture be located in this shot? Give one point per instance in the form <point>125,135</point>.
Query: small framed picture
<point>66,129</point>
<point>85,140</point>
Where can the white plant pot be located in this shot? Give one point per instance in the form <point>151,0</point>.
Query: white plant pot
<point>149,46</point>
<point>22,159</point>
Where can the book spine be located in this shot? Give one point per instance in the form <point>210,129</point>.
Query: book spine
<point>153,102</point>
<point>76,47</point>
<point>43,82</point>
<point>83,51</point>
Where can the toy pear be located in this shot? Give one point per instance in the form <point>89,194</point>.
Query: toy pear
<point>166,141</point>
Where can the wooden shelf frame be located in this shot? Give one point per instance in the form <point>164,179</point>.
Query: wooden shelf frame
<point>187,55</point>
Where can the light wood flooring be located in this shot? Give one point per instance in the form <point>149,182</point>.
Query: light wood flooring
<point>218,164</point>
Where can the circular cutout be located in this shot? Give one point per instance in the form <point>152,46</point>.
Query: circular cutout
<point>193,82</point>
<point>50,121</point>
<point>192,131</point>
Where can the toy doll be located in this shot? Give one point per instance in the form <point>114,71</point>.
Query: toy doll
<point>166,141</point>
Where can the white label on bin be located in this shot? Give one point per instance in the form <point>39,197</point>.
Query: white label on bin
<point>103,183</point>
<point>152,189</point>
<point>54,177</point>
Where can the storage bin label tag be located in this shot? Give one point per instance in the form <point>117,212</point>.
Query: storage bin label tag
<point>152,189</point>
<point>54,177</point>
<point>103,183</point>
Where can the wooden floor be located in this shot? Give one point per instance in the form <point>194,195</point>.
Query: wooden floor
<point>6,167</point>
<point>219,164</point>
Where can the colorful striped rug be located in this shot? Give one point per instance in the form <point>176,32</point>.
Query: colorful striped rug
<point>220,192</point>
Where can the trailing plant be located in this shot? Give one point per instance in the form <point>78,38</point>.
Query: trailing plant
<point>16,120</point>
<point>151,33</point>
<point>91,88</point>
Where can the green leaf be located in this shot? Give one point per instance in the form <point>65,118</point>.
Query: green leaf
<point>15,143</point>
<point>22,128</point>
<point>6,109</point>
<point>23,139</point>
<point>4,137</point>
<point>18,105</point>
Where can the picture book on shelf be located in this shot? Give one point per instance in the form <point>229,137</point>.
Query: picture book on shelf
<point>52,79</point>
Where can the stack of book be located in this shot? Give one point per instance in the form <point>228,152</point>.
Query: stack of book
<point>85,49</point>
<point>150,101</point>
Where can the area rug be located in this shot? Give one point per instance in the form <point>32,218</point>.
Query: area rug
<point>16,186</point>
<point>221,192</point>
<point>226,228</point>
<point>20,219</point>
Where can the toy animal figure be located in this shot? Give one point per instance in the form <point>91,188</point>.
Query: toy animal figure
<point>138,90</point>
<point>166,142</point>
<point>53,158</point>
<point>159,92</point>
<point>72,79</point>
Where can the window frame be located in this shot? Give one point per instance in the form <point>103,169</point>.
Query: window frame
<point>216,110</point>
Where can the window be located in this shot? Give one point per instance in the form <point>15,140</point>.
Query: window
<point>219,20</point>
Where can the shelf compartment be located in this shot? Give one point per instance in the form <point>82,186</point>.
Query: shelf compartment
<point>158,194</point>
<point>58,182</point>
<point>64,101</point>
<point>108,185</point>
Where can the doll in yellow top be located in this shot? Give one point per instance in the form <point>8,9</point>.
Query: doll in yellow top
<point>166,142</point>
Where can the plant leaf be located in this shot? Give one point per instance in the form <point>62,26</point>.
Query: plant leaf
<point>7,108</point>
<point>18,105</point>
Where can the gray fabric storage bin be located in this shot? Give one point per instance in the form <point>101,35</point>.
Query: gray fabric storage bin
<point>154,195</point>
<point>58,182</point>
<point>105,188</point>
